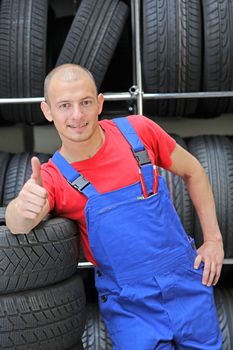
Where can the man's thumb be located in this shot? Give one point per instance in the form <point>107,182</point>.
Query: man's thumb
<point>36,170</point>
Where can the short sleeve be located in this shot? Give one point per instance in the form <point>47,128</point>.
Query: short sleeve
<point>155,139</point>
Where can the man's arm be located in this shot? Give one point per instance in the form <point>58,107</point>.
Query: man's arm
<point>199,188</point>
<point>31,206</point>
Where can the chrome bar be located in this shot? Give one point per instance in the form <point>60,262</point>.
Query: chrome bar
<point>152,96</point>
<point>133,41</point>
<point>21,100</point>
<point>85,265</point>
<point>228,262</point>
<point>121,96</point>
<point>138,58</point>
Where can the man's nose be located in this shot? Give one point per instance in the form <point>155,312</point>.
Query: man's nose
<point>77,112</point>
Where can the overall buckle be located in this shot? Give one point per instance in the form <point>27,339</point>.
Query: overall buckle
<point>79,183</point>
<point>142,157</point>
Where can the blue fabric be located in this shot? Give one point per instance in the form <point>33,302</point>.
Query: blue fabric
<point>69,172</point>
<point>150,296</point>
<point>65,167</point>
<point>129,133</point>
<point>131,136</point>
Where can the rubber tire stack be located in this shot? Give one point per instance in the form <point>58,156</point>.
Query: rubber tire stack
<point>91,41</point>
<point>171,54</point>
<point>187,47</point>
<point>42,297</point>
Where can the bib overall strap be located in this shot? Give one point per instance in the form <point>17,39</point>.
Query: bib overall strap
<point>79,182</point>
<point>146,169</point>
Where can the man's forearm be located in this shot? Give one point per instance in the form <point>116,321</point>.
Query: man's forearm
<point>203,200</point>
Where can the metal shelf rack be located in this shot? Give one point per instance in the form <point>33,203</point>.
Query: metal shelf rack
<point>135,93</point>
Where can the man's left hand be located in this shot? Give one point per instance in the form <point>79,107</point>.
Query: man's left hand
<point>212,254</point>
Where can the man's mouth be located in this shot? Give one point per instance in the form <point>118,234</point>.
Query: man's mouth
<point>78,126</point>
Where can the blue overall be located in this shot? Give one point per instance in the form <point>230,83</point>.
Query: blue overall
<point>150,295</point>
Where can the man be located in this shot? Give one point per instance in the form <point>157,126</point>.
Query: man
<point>154,292</point>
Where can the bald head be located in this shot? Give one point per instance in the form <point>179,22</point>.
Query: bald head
<point>67,73</point>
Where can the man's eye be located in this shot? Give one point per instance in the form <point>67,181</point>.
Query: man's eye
<point>86,103</point>
<point>64,106</point>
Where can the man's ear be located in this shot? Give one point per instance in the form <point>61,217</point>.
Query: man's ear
<point>100,103</point>
<point>46,111</point>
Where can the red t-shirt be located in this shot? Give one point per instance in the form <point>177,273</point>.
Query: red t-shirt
<point>111,168</point>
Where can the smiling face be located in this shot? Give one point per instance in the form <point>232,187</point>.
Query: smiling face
<point>73,105</point>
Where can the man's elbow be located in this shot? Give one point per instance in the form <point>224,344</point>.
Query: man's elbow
<point>197,175</point>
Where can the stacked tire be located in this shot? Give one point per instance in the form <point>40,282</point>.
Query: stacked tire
<point>224,304</point>
<point>187,47</point>
<point>24,61</point>
<point>42,297</point>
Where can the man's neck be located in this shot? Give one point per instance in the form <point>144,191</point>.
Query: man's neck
<point>80,151</point>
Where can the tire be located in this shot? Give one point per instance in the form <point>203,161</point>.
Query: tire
<point>78,346</point>
<point>223,300</point>
<point>4,160</point>
<point>46,255</point>
<point>50,318</point>
<point>23,33</point>
<point>95,336</point>
<point>2,215</point>
<point>216,156</point>
<point>93,36</point>
<point>120,62</point>
<point>179,194</point>
<point>18,172</point>
<point>218,55</point>
<point>172,53</point>
<point>58,31</point>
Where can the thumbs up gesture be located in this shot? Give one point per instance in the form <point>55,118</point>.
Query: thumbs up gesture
<point>36,171</point>
<point>33,196</point>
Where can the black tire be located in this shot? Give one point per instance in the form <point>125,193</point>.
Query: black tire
<point>46,255</point>
<point>57,33</point>
<point>224,304</point>
<point>78,346</point>
<point>216,156</point>
<point>18,172</point>
<point>179,194</point>
<point>218,56</point>
<point>23,33</point>
<point>2,215</point>
<point>172,50</point>
<point>4,160</point>
<point>120,64</point>
<point>93,35</point>
<point>95,336</point>
<point>50,318</point>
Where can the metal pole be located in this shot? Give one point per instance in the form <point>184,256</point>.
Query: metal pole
<point>85,265</point>
<point>159,96</point>
<point>135,8</point>
<point>133,41</point>
<point>127,96</point>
